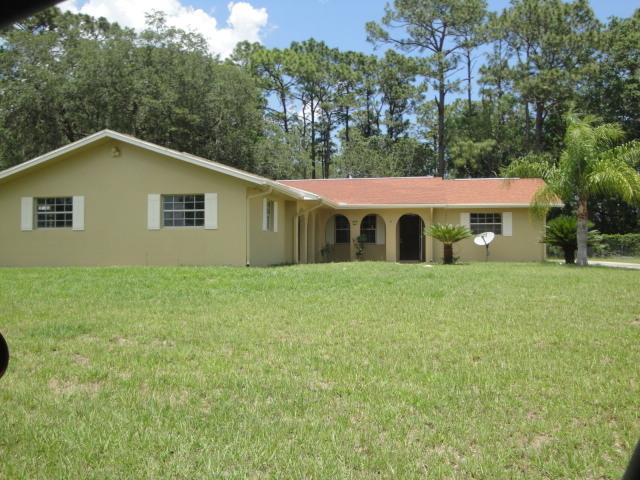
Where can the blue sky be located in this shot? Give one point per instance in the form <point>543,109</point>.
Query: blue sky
<point>276,23</point>
<point>340,23</point>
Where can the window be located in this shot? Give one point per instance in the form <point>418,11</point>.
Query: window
<point>54,212</point>
<point>183,210</point>
<point>269,216</point>
<point>342,229</point>
<point>368,228</point>
<point>486,222</point>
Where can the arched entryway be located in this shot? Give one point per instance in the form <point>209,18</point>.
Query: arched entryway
<point>337,239</point>
<point>411,238</point>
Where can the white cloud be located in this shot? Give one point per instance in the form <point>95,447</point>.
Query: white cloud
<point>245,22</point>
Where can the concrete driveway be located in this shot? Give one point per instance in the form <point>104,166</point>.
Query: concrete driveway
<point>635,266</point>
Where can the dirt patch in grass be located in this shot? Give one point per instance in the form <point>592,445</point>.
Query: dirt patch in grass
<point>72,386</point>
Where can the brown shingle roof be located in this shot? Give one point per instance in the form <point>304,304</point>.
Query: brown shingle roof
<point>422,190</point>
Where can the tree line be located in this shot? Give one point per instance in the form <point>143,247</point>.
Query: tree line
<point>462,92</point>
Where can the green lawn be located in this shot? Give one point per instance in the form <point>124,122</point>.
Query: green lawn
<point>359,370</point>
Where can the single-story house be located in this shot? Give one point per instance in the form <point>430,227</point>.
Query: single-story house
<point>113,199</point>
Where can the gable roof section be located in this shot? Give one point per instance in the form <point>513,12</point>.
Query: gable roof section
<point>423,191</point>
<point>105,135</point>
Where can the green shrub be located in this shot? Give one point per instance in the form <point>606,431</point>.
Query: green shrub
<point>562,233</point>
<point>448,235</point>
<point>624,245</point>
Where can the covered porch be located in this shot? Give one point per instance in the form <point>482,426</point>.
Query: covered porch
<point>393,235</point>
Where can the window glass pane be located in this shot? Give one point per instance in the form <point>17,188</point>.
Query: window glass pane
<point>342,229</point>
<point>368,228</point>
<point>183,210</point>
<point>269,213</point>
<point>54,212</point>
<point>486,222</point>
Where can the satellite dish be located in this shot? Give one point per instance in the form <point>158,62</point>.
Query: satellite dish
<point>483,240</point>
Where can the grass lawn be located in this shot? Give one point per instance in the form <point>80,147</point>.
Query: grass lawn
<point>360,370</point>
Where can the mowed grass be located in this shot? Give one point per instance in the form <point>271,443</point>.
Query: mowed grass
<point>359,370</point>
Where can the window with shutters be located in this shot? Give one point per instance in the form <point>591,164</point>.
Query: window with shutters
<point>54,212</point>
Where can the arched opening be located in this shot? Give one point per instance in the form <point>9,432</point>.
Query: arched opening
<point>372,227</point>
<point>411,238</point>
<point>337,239</point>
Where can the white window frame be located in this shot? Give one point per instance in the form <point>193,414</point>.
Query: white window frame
<point>43,223</point>
<point>182,198</point>
<point>485,222</point>
<point>506,222</point>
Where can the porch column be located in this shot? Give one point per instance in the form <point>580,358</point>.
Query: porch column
<point>296,229</point>
<point>429,240</point>
<point>391,225</point>
<point>354,229</point>
<point>303,237</point>
<point>312,239</point>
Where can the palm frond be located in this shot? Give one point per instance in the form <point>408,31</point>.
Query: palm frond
<point>530,166</point>
<point>614,176</point>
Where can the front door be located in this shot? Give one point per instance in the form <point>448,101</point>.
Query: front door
<point>411,239</point>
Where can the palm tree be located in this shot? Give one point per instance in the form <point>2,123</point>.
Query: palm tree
<point>562,232</point>
<point>448,235</point>
<point>590,164</point>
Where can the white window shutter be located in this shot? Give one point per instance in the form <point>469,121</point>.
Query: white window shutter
<point>265,220</point>
<point>153,212</point>
<point>381,228</point>
<point>507,224</point>
<point>210,211</point>
<point>330,232</point>
<point>26,214</point>
<point>78,213</point>
<point>465,219</point>
<point>275,217</point>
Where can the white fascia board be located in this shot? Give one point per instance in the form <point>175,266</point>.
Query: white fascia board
<point>292,191</point>
<point>490,205</point>
<point>387,206</point>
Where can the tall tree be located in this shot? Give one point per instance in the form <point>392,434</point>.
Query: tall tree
<point>613,90</point>
<point>399,92</point>
<point>440,27</point>
<point>64,76</point>
<point>591,164</point>
<point>553,44</point>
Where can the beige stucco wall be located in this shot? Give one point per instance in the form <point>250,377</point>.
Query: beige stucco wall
<point>116,197</point>
<point>522,246</point>
<point>271,247</point>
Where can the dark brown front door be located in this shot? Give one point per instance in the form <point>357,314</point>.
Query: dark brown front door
<point>410,230</point>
